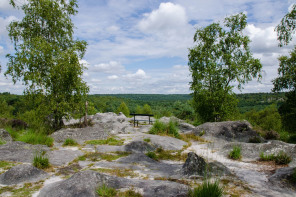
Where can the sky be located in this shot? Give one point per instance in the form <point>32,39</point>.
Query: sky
<point>141,47</point>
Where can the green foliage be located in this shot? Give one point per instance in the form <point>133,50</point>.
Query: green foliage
<point>41,161</point>
<point>281,158</point>
<point>106,191</point>
<point>147,140</point>
<point>207,189</point>
<point>70,142</point>
<point>288,112</point>
<point>96,156</point>
<point>220,57</point>
<point>160,128</point>
<point>110,141</point>
<point>268,119</point>
<point>5,109</point>
<point>235,153</point>
<point>161,154</point>
<point>152,155</point>
<point>46,57</point>
<point>124,109</point>
<point>146,109</point>
<point>2,142</point>
<point>183,111</point>
<point>32,137</point>
<point>129,193</point>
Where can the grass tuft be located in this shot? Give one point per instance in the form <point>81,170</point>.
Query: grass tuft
<point>70,142</point>
<point>152,155</point>
<point>32,137</point>
<point>106,191</point>
<point>235,153</point>
<point>161,154</point>
<point>110,141</point>
<point>160,128</point>
<point>207,189</point>
<point>147,140</point>
<point>41,161</point>
<point>280,159</point>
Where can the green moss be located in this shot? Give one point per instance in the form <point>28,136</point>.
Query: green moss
<point>27,190</point>
<point>109,141</point>
<point>2,142</point>
<point>161,154</point>
<point>147,140</point>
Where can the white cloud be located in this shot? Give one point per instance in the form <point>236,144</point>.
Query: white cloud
<point>111,67</point>
<point>1,50</point>
<point>4,22</point>
<point>140,74</point>
<point>112,77</point>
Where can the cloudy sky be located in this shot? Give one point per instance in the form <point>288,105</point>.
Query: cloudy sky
<point>142,46</point>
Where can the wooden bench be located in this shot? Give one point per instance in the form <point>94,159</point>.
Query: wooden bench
<point>149,115</point>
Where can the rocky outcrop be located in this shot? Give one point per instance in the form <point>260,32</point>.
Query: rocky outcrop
<point>84,184</point>
<point>22,173</point>
<point>138,147</point>
<point>229,130</point>
<point>5,136</point>
<point>194,165</point>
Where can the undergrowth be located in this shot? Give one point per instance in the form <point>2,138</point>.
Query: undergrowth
<point>281,158</point>
<point>161,154</point>
<point>70,142</point>
<point>41,161</point>
<point>110,141</point>
<point>207,189</point>
<point>103,156</point>
<point>160,128</point>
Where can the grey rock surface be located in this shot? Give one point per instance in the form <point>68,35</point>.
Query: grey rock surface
<point>20,151</point>
<point>194,165</point>
<point>62,157</point>
<point>229,130</point>
<point>185,127</point>
<point>4,135</point>
<point>84,184</point>
<point>22,173</point>
<point>282,177</point>
<point>218,169</point>
<point>139,147</point>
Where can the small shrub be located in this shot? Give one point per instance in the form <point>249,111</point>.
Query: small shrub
<point>255,139</point>
<point>152,155</point>
<point>41,161</point>
<point>106,191</point>
<point>70,142</point>
<point>280,159</point>
<point>235,153</point>
<point>147,140</point>
<point>207,189</point>
<point>160,128</point>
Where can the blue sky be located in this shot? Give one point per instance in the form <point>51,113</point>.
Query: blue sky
<point>142,46</point>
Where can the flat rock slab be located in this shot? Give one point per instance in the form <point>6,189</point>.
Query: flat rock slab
<point>166,142</point>
<point>62,157</point>
<point>84,184</point>
<point>22,173</point>
<point>20,151</point>
<point>134,147</point>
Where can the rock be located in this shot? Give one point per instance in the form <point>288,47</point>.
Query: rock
<point>218,169</point>
<point>229,130</point>
<point>62,157</point>
<point>194,165</point>
<point>168,119</point>
<point>20,151</point>
<point>84,184</point>
<point>185,127</point>
<point>4,135</point>
<point>138,147</point>
<point>71,169</point>
<point>22,173</point>
<point>283,177</point>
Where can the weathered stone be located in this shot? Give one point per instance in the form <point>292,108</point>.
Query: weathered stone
<point>194,165</point>
<point>229,130</point>
<point>71,169</point>
<point>62,157</point>
<point>283,177</point>
<point>84,184</point>
<point>218,169</point>
<point>22,173</point>
<point>185,127</point>
<point>4,135</point>
<point>138,147</point>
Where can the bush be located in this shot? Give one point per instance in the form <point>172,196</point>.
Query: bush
<point>32,137</point>
<point>41,161</point>
<point>152,155</point>
<point>70,142</point>
<point>106,191</point>
<point>165,129</point>
<point>207,189</point>
<point>280,159</point>
<point>235,153</point>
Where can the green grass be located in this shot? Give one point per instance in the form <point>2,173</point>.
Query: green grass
<point>14,134</point>
<point>152,155</point>
<point>207,189</point>
<point>6,165</point>
<point>119,172</point>
<point>32,137</point>
<point>26,190</point>
<point>110,141</point>
<point>2,142</point>
<point>281,158</point>
<point>104,156</point>
<point>160,128</point>
<point>70,142</point>
<point>129,193</point>
<point>41,161</point>
<point>106,191</point>
<point>235,153</point>
<point>147,140</point>
<point>161,154</point>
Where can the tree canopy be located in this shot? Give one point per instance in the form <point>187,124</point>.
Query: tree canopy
<point>220,57</point>
<point>46,57</point>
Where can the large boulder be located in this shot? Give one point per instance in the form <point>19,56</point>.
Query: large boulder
<point>229,130</point>
<point>22,173</point>
<point>194,165</point>
<point>5,136</point>
<point>84,184</point>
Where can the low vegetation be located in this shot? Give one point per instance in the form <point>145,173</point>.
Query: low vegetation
<point>106,191</point>
<point>110,141</point>
<point>26,190</point>
<point>96,156</point>
<point>70,142</point>
<point>161,154</point>
<point>281,158</point>
<point>207,189</point>
<point>160,128</point>
<point>235,153</point>
<point>119,172</point>
<point>41,161</point>
<point>147,140</point>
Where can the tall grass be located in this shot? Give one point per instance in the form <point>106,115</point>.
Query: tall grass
<point>160,128</point>
<point>32,137</point>
<point>281,158</point>
<point>207,189</point>
<point>106,191</point>
<point>41,161</point>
